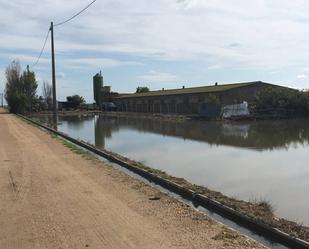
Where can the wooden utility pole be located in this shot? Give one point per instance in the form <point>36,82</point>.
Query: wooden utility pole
<point>29,90</point>
<point>53,73</point>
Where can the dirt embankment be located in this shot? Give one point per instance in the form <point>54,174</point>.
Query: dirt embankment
<point>51,197</point>
<point>260,210</point>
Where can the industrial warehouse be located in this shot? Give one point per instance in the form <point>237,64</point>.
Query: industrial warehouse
<point>185,101</point>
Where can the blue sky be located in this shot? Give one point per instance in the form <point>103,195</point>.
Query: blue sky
<point>162,43</point>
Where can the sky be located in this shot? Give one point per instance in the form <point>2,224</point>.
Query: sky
<point>159,44</point>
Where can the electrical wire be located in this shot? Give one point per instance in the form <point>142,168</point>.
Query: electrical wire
<point>61,23</point>
<point>58,24</point>
<point>37,61</point>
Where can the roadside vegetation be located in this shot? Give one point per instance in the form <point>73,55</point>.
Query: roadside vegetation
<point>277,99</point>
<point>21,91</point>
<point>74,148</point>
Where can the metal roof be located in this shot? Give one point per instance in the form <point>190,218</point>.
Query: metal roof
<point>202,89</point>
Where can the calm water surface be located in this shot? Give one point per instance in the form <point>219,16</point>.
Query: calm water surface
<point>254,160</point>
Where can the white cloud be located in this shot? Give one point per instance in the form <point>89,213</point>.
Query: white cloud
<point>99,62</point>
<point>24,58</point>
<point>302,76</point>
<point>157,77</point>
<point>257,35</point>
<point>265,32</point>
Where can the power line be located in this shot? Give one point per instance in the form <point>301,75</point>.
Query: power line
<point>58,24</point>
<point>51,29</point>
<point>61,23</point>
<point>37,61</point>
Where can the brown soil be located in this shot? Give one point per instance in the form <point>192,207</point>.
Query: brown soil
<point>51,197</point>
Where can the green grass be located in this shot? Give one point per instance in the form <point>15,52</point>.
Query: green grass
<point>53,135</point>
<point>74,148</point>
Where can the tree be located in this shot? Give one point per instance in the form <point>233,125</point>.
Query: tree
<point>47,94</point>
<point>14,90</point>
<point>30,86</point>
<point>39,104</point>
<point>281,98</point>
<point>142,89</point>
<point>20,88</point>
<point>75,100</point>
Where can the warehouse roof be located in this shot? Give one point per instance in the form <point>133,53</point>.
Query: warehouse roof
<point>202,89</point>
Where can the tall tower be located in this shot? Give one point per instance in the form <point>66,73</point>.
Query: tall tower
<point>97,86</point>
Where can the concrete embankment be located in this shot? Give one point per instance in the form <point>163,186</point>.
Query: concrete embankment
<point>53,198</point>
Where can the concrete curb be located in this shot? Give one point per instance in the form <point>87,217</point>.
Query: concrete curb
<point>254,225</point>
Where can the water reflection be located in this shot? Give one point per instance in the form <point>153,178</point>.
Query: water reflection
<point>103,130</point>
<point>262,135</point>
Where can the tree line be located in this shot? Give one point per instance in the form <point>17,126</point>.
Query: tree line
<point>282,98</point>
<point>21,91</point>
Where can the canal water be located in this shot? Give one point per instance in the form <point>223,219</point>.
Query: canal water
<point>256,160</point>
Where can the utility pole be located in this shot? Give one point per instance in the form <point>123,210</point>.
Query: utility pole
<point>29,90</point>
<point>53,74</point>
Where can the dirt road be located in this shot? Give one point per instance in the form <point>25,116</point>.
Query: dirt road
<point>53,198</point>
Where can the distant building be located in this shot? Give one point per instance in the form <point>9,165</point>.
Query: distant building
<point>102,94</point>
<point>64,105</point>
<point>187,101</point>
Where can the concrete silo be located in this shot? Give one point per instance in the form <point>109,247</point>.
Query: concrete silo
<point>97,86</point>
